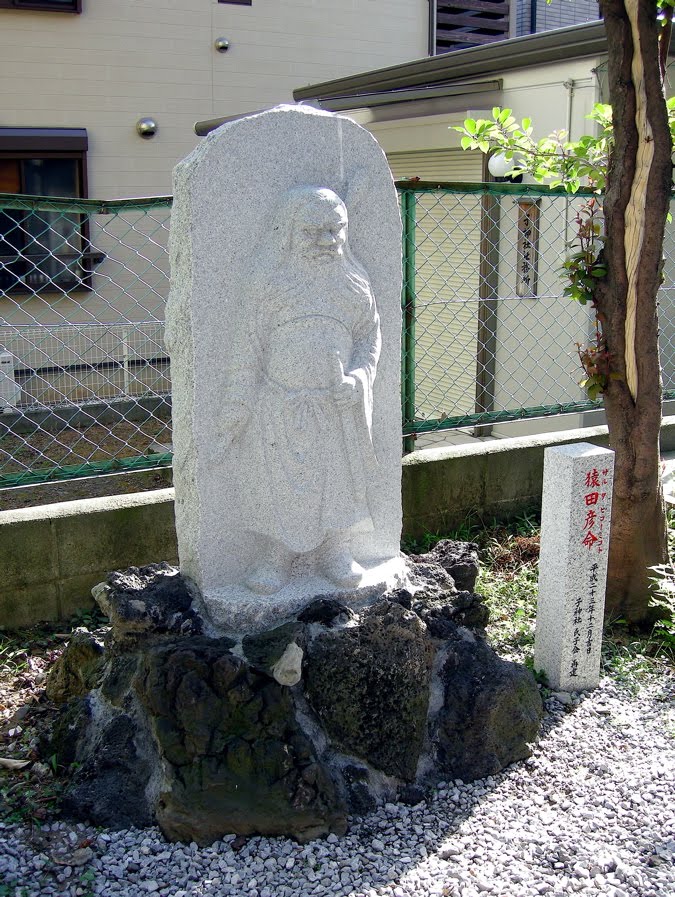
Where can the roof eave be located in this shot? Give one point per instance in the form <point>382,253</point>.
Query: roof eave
<point>575,42</point>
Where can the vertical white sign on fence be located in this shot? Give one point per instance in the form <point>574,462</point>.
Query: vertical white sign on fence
<point>575,521</point>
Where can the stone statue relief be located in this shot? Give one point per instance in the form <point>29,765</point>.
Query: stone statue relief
<point>298,400</point>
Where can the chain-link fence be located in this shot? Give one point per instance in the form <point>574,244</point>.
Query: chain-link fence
<point>84,375</point>
<point>488,336</point>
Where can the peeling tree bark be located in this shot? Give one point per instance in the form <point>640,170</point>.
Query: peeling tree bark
<point>636,210</point>
<point>636,205</point>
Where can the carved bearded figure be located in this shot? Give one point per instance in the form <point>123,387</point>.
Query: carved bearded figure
<point>300,410</point>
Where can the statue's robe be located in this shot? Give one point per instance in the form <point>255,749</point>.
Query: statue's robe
<point>312,456</point>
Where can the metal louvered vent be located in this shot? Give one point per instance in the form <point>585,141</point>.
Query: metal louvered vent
<point>470,23</point>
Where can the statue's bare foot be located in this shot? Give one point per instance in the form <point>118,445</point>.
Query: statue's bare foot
<point>341,568</point>
<point>267,579</point>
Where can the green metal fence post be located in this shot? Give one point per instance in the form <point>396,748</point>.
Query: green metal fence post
<point>408,203</point>
<point>488,290</point>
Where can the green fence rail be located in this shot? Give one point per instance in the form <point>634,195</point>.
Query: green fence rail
<point>488,339</point>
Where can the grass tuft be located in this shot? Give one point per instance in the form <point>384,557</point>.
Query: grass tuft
<point>509,555</point>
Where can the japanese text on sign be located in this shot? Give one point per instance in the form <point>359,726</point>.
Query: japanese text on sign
<point>595,501</point>
<point>592,537</point>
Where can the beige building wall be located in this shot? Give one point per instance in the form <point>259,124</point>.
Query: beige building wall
<point>536,358</point>
<point>123,59</point>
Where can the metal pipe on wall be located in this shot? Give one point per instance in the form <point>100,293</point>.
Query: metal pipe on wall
<point>433,20</point>
<point>569,87</point>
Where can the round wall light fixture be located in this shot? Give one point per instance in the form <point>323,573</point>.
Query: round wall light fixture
<point>500,168</point>
<point>499,165</point>
<point>222,44</point>
<point>146,128</point>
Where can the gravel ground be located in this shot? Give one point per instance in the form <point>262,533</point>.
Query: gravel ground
<point>591,812</point>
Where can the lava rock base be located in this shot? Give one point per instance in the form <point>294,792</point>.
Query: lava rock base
<point>288,731</point>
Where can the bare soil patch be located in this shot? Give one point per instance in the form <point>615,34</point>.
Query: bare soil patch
<point>74,446</point>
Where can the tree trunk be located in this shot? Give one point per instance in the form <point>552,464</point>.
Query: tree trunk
<point>636,205</point>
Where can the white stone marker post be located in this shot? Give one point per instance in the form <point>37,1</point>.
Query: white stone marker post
<point>575,521</point>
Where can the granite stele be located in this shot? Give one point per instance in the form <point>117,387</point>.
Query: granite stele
<point>283,326</point>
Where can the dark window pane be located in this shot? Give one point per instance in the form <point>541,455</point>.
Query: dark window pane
<point>42,250</point>
<point>12,239</point>
<point>52,249</point>
<point>50,177</point>
<point>53,239</point>
<point>11,235</point>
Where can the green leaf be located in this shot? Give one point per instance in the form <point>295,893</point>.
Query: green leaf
<point>470,125</point>
<point>593,390</point>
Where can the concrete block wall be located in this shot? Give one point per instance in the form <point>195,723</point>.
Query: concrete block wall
<point>51,556</point>
<point>444,488</point>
